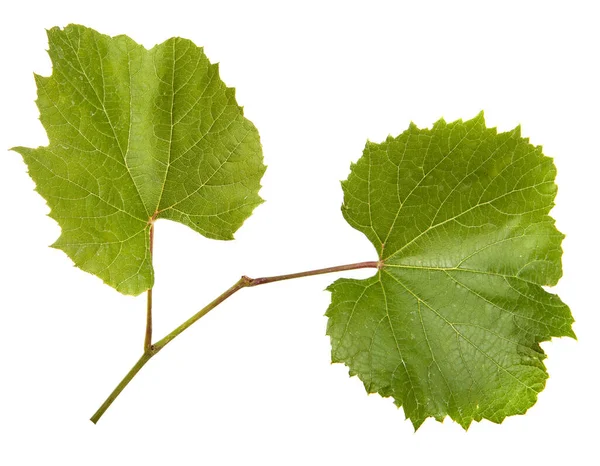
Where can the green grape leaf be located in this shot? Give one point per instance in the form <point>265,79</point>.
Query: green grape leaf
<point>451,323</point>
<point>136,135</point>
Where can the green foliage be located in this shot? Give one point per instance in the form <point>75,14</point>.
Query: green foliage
<point>137,135</point>
<point>451,323</point>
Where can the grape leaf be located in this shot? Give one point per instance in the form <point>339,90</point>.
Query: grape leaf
<point>451,323</point>
<point>136,135</point>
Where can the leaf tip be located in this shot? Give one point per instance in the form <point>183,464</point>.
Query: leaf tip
<point>39,81</point>
<point>416,422</point>
<point>517,132</point>
<point>465,423</point>
<point>440,123</point>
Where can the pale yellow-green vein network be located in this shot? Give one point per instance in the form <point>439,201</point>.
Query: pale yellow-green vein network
<point>451,324</point>
<point>137,135</point>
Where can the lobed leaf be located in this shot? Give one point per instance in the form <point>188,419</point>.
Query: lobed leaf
<point>136,135</point>
<point>451,323</point>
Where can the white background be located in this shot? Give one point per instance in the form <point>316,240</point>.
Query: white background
<point>252,383</point>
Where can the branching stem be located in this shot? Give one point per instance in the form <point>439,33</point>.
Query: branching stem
<point>150,350</point>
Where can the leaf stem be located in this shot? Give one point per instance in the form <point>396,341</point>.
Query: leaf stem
<point>148,338</point>
<point>244,282</point>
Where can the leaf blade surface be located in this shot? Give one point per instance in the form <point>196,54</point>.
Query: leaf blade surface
<point>136,135</point>
<point>451,323</point>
